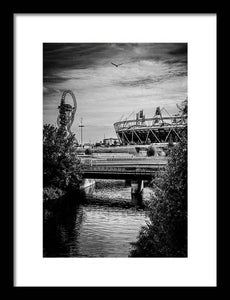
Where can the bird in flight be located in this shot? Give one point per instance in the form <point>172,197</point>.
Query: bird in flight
<point>116,64</point>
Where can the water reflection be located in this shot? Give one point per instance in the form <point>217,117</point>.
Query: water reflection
<point>108,231</point>
<point>61,227</point>
<point>101,226</point>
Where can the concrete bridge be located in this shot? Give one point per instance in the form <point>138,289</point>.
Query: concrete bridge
<point>122,172</point>
<point>135,171</point>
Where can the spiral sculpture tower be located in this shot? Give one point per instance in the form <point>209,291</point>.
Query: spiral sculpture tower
<point>66,113</point>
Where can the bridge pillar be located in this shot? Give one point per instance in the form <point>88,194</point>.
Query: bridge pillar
<point>136,191</point>
<point>127,182</point>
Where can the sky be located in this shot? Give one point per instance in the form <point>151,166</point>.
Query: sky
<point>151,75</point>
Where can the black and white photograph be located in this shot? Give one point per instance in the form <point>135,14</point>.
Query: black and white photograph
<point>115,150</point>
<point>115,161</point>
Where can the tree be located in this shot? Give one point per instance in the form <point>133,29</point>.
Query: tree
<point>166,233</point>
<point>61,166</point>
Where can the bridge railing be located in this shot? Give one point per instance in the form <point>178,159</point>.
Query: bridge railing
<point>118,170</point>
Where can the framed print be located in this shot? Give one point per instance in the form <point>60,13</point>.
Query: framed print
<point>115,150</point>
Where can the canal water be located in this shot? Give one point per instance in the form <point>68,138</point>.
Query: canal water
<point>103,225</point>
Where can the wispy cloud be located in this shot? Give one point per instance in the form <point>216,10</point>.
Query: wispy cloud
<point>150,75</point>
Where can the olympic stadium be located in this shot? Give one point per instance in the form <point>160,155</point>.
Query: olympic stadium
<point>161,128</point>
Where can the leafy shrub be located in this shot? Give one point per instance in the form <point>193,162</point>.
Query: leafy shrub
<point>166,233</point>
<point>88,151</point>
<point>51,193</point>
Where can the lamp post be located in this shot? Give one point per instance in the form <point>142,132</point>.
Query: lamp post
<point>81,126</point>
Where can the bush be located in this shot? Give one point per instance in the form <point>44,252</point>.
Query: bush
<point>52,193</point>
<point>88,151</point>
<point>151,151</point>
<point>166,233</point>
<point>61,166</point>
